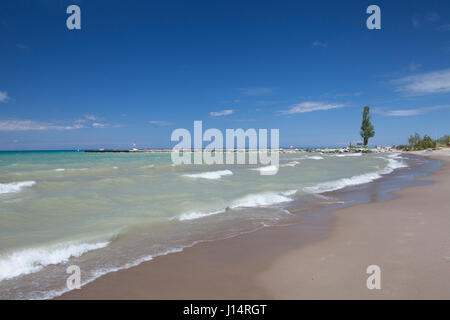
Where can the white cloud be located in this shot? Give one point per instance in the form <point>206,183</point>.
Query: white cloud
<point>4,96</point>
<point>221,113</point>
<point>256,91</point>
<point>98,125</point>
<point>318,43</point>
<point>444,27</point>
<point>410,112</point>
<point>401,113</point>
<point>28,125</point>
<point>425,83</point>
<point>94,122</point>
<point>310,106</point>
<point>160,123</point>
<point>91,117</point>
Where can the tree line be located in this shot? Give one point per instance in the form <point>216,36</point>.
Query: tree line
<point>416,142</point>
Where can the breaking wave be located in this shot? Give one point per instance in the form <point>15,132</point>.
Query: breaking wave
<point>393,163</point>
<point>211,175</point>
<point>32,260</point>
<point>249,201</point>
<point>14,187</point>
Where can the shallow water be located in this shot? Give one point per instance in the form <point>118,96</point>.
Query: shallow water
<point>107,211</point>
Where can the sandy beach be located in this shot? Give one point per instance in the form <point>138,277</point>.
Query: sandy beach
<point>407,237</point>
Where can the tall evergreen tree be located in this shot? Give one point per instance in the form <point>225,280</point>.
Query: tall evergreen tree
<point>367,129</point>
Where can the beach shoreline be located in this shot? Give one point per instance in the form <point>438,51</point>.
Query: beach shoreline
<point>311,259</point>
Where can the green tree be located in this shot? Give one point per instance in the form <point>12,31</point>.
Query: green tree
<point>411,141</point>
<point>427,142</point>
<point>367,130</point>
<point>444,140</point>
<point>414,139</point>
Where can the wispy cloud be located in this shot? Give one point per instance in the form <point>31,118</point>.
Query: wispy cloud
<point>410,112</point>
<point>160,123</point>
<point>22,46</point>
<point>4,96</point>
<point>91,117</point>
<point>269,102</point>
<point>28,125</point>
<point>35,125</point>
<point>425,83</point>
<point>87,118</point>
<point>419,20</point>
<point>99,125</point>
<point>256,91</point>
<point>310,106</point>
<point>432,17</point>
<point>334,95</point>
<point>90,120</point>
<point>444,27</point>
<point>318,43</point>
<point>221,113</point>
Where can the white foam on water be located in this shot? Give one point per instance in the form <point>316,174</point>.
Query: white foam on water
<point>348,155</point>
<point>263,199</point>
<point>14,187</point>
<point>210,175</point>
<point>393,163</point>
<point>267,170</point>
<point>32,260</point>
<point>255,200</point>
<point>314,157</point>
<point>290,164</point>
<point>342,183</point>
<point>72,169</point>
<point>197,215</point>
<point>102,271</point>
<point>249,201</point>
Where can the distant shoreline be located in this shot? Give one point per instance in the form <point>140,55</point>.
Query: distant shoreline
<point>281,150</point>
<point>164,150</point>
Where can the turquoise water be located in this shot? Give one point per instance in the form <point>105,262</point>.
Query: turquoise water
<point>107,211</point>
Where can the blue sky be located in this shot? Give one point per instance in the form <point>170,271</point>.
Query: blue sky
<point>137,70</point>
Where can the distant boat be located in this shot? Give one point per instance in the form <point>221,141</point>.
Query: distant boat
<point>134,147</point>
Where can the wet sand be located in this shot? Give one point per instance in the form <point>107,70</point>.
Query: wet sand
<point>325,256</point>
